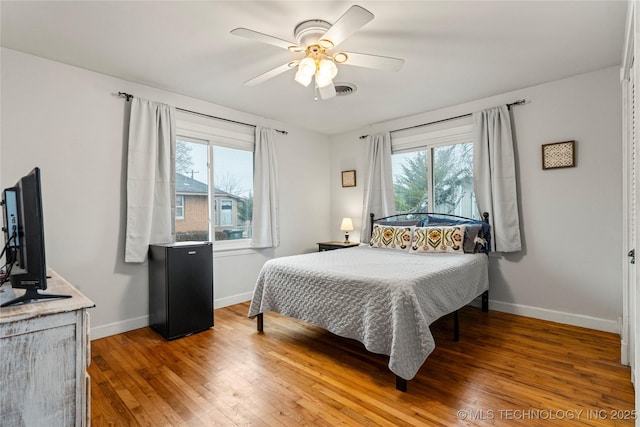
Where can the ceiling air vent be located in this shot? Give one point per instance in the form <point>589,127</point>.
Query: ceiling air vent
<point>344,89</point>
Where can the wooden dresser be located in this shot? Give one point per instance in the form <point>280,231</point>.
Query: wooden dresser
<point>44,355</point>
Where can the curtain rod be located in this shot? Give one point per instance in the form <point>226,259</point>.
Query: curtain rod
<point>129,96</point>
<point>518,102</point>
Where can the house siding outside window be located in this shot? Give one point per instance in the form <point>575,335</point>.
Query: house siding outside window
<point>210,151</point>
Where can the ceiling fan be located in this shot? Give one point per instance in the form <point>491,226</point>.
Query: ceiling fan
<point>316,39</point>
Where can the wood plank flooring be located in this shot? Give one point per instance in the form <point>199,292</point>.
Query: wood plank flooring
<point>505,370</point>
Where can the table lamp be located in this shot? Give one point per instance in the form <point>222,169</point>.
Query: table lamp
<point>347,226</point>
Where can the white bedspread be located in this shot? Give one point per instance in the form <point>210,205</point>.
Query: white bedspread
<point>386,299</point>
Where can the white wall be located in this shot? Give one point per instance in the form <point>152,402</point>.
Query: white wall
<point>67,121</point>
<point>571,268</point>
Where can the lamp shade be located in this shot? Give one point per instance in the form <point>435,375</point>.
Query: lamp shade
<point>302,78</point>
<point>347,224</point>
<point>306,70</point>
<point>327,70</point>
<point>307,67</point>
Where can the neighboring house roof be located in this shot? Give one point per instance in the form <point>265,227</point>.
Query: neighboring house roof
<point>186,185</point>
<point>190,186</point>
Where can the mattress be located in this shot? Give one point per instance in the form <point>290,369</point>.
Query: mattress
<point>384,298</point>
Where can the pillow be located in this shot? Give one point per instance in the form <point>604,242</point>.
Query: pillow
<point>390,237</point>
<point>438,239</point>
<point>472,238</point>
<point>475,241</point>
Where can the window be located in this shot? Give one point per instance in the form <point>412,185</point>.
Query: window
<point>214,173</point>
<point>453,180</point>
<point>226,212</point>
<point>192,190</point>
<point>433,171</point>
<point>179,207</point>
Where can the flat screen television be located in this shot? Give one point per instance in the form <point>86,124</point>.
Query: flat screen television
<point>23,227</point>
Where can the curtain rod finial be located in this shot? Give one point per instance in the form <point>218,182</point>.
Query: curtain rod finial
<point>518,102</point>
<point>125,95</point>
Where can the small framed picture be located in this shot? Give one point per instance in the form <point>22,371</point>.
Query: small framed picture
<point>559,155</point>
<point>349,178</point>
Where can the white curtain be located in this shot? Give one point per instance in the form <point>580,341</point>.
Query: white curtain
<point>150,177</point>
<point>378,183</point>
<point>266,228</point>
<point>494,176</point>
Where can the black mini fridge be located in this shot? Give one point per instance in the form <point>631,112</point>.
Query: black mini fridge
<point>180,288</point>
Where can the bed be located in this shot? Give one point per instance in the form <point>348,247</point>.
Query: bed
<point>385,294</point>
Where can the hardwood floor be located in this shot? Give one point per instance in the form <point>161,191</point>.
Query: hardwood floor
<point>505,370</point>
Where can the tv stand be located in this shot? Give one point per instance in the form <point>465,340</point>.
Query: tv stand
<point>44,354</point>
<point>30,295</point>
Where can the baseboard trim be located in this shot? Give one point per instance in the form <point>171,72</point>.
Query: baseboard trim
<point>118,327</point>
<point>624,353</point>
<point>554,316</point>
<point>234,299</point>
<point>143,321</point>
<point>505,307</point>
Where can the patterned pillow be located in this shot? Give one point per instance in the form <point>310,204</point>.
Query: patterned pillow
<point>438,239</point>
<point>390,237</point>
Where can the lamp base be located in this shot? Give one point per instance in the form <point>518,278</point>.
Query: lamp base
<point>346,238</point>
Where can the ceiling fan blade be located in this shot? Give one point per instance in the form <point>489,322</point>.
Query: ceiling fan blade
<point>327,91</point>
<point>377,62</point>
<point>264,38</point>
<point>352,20</point>
<point>269,74</point>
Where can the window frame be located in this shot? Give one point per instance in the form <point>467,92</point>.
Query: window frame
<point>180,206</point>
<point>222,203</point>
<point>213,133</point>
<point>428,138</point>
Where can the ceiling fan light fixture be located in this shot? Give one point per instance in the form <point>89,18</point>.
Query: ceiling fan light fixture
<point>323,81</point>
<point>307,67</point>
<point>306,70</point>
<point>328,68</point>
<point>295,49</point>
<point>303,79</point>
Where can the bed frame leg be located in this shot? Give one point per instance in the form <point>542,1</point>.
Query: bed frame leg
<point>260,322</point>
<point>401,384</point>
<point>485,301</point>
<point>456,326</point>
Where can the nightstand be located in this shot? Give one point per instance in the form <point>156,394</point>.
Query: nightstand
<point>329,246</point>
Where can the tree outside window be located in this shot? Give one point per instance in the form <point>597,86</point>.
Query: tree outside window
<point>444,172</point>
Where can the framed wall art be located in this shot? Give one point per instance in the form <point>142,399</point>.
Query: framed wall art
<point>349,178</point>
<point>559,155</point>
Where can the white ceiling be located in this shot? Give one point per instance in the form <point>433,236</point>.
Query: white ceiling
<point>455,51</point>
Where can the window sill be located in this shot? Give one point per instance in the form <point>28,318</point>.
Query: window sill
<point>232,248</point>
